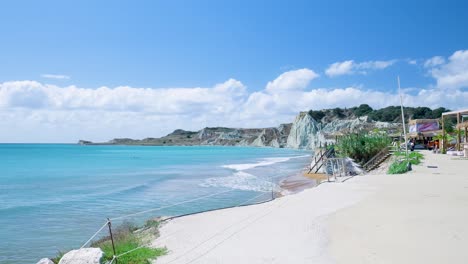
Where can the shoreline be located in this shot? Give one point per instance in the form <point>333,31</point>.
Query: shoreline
<point>192,237</point>
<point>299,182</point>
<point>288,186</point>
<point>360,221</point>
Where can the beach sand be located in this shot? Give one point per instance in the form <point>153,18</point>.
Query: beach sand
<point>419,217</point>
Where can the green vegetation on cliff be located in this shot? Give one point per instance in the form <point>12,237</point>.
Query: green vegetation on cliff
<point>387,114</point>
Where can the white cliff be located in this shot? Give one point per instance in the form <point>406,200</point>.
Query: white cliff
<point>305,133</point>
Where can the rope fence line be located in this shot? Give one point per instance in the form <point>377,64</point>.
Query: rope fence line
<point>150,210</point>
<point>109,220</point>
<point>95,234</point>
<point>116,257</point>
<point>172,205</point>
<point>252,199</point>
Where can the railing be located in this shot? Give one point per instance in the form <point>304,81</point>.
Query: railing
<point>318,163</point>
<point>110,231</point>
<point>376,159</point>
<point>335,167</point>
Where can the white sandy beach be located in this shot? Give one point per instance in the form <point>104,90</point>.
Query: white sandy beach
<point>419,217</point>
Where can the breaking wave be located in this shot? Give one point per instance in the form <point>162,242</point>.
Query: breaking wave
<point>263,162</point>
<point>242,181</point>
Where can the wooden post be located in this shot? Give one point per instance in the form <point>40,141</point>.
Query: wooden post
<point>111,237</point>
<point>458,132</point>
<point>466,135</point>
<point>443,136</point>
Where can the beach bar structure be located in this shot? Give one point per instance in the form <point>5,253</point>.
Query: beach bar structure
<point>461,125</point>
<point>423,127</point>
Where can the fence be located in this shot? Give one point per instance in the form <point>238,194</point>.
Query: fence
<point>336,169</point>
<point>119,238</point>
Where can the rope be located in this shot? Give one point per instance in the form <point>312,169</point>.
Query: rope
<point>168,206</point>
<point>95,234</point>
<point>112,260</point>
<point>246,202</point>
<point>130,251</point>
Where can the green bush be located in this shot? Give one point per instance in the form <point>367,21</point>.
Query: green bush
<point>141,255</point>
<point>398,167</point>
<point>415,158</point>
<point>362,147</point>
<point>129,237</point>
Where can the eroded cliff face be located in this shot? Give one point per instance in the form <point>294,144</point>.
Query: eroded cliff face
<point>304,133</point>
<point>308,133</point>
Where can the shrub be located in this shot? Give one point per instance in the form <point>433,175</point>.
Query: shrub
<point>415,158</point>
<point>398,167</point>
<point>362,147</point>
<point>128,237</point>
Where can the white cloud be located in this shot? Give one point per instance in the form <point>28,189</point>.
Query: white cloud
<point>35,112</point>
<point>434,61</point>
<point>292,80</point>
<point>451,74</point>
<point>340,68</point>
<point>55,76</point>
<point>412,62</point>
<point>350,67</point>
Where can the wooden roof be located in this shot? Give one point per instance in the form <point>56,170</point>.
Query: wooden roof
<point>463,125</point>
<point>422,121</point>
<point>463,112</point>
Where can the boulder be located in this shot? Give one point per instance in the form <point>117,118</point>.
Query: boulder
<point>82,256</point>
<point>45,261</point>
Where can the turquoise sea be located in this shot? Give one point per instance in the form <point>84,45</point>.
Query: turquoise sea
<point>53,197</point>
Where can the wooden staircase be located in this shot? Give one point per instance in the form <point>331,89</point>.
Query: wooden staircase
<point>320,159</point>
<point>380,157</point>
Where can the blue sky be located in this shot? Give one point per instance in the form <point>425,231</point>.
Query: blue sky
<point>67,50</point>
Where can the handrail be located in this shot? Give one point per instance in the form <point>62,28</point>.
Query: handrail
<point>381,153</point>
<point>327,154</point>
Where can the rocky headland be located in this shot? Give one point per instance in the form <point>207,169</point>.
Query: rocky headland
<point>308,131</point>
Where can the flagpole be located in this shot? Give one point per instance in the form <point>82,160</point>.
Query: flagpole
<point>404,125</point>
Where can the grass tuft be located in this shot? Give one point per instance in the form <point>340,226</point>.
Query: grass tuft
<point>129,237</point>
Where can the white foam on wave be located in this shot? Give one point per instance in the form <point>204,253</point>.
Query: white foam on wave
<point>263,162</point>
<point>241,181</point>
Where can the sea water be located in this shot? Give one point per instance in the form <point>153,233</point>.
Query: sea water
<point>53,197</point>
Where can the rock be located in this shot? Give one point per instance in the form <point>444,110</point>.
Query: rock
<point>45,261</point>
<point>305,133</point>
<point>82,256</point>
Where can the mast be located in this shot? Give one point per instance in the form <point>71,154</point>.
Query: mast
<point>404,125</point>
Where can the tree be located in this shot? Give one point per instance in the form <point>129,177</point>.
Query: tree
<point>362,110</point>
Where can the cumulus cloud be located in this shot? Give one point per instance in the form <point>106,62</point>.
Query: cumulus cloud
<point>31,94</point>
<point>37,112</point>
<point>351,67</point>
<point>451,74</point>
<point>55,76</point>
<point>434,61</point>
<point>340,68</point>
<point>292,80</point>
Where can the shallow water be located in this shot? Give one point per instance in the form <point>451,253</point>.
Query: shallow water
<point>55,196</point>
